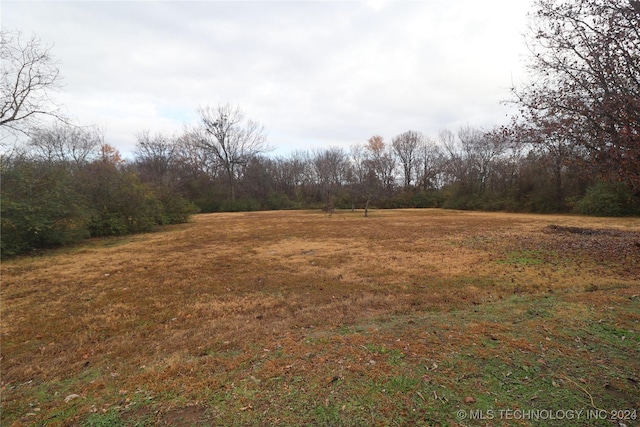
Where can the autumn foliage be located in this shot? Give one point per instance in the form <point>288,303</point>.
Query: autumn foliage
<point>585,87</point>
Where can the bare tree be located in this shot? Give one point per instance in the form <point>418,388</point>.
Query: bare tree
<point>471,156</point>
<point>330,169</point>
<point>429,161</point>
<point>382,162</point>
<point>193,159</point>
<point>370,172</point>
<point>155,157</point>
<point>481,150</point>
<point>233,140</point>
<point>299,167</point>
<point>356,173</point>
<point>405,146</point>
<point>70,145</point>
<point>365,184</point>
<point>456,166</point>
<point>29,75</point>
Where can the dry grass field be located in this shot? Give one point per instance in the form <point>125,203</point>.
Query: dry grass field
<point>408,317</point>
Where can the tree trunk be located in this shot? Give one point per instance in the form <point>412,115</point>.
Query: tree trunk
<point>232,191</point>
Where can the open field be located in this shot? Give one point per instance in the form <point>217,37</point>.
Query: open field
<point>408,317</point>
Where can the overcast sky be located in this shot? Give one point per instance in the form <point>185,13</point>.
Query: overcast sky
<point>316,74</point>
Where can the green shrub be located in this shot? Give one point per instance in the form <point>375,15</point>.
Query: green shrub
<point>121,204</point>
<point>607,199</point>
<point>427,199</point>
<point>240,205</point>
<point>107,224</point>
<point>39,208</point>
<point>279,201</point>
<point>177,210</point>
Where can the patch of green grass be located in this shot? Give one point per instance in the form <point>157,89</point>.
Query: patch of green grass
<point>401,384</point>
<point>614,335</point>
<point>523,258</point>
<point>110,418</point>
<point>393,356</point>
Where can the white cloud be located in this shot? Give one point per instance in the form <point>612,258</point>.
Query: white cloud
<point>312,72</point>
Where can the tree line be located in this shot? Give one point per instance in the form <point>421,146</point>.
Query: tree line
<point>66,184</point>
<point>573,147</point>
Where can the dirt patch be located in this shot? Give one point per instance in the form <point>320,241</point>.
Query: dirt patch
<point>186,416</point>
<point>591,231</point>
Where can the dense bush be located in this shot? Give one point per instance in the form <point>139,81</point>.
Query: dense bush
<point>45,204</point>
<point>39,208</point>
<point>176,209</point>
<point>118,201</point>
<point>241,205</point>
<point>608,199</point>
<point>278,201</point>
<point>427,199</point>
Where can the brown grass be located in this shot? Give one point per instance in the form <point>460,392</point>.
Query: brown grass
<point>177,316</point>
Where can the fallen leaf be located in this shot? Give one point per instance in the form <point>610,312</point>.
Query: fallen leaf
<point>70,397</point>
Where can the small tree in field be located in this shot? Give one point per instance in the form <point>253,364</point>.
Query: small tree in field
<point>371,171</point>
